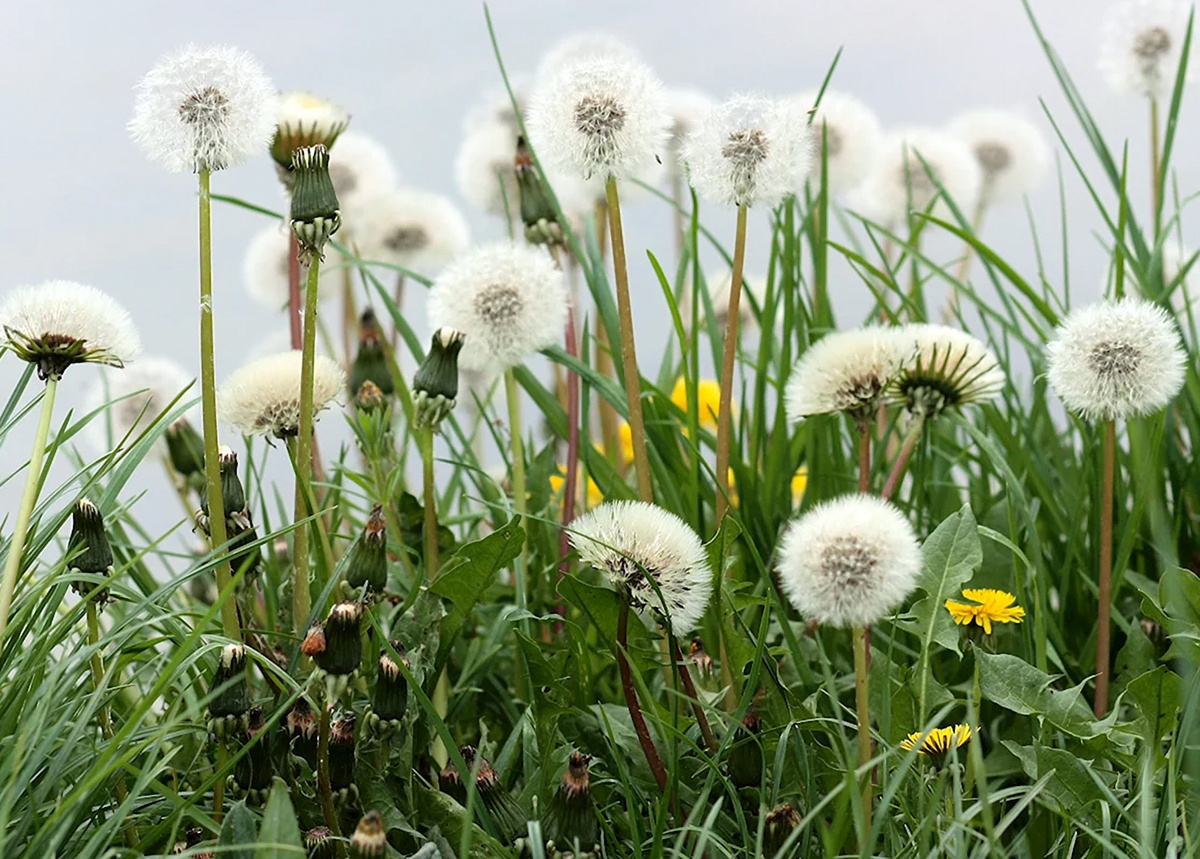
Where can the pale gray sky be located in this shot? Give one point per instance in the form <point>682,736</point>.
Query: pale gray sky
<point>81,202</point>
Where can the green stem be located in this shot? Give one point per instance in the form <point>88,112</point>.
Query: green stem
<point>633,383</point>
<point>106,728</point>
<point>324,788</point>
<point>301,597</point>
<point>1155,169</point>
<point>208,387</point>
<point>864,456</point>
<point>863,709</point>
<point>432,563</point>
<point>1104,615</point>
<point>33,482</point>
<point>219,785</point>
<point>724,416</point>
<point>521,578</point>
<point>906,450</point>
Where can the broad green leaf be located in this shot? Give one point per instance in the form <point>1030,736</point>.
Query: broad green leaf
<point>1069,783</point>
<point>1010,682</point>
<point>435,808</point>
<point>239,833</point>
<point>1155,696</point>
<point>280,835</point>
<point>600,606</point>
<point>952,554</point>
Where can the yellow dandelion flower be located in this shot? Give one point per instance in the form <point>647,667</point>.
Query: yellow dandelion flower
<point>708,395</point>
<point>558,480</point>
<point>625,443</point>
<point>938,742</point>
<point>991,606</point>
<point>799,484</point>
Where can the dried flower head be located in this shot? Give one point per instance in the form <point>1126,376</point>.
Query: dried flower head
<point>604,116</point>
<point>305,120</point>
<point>204,109</point>
<point>59,323</point>
<point>917,167</point>
<point>938,743</point>
<point>412,229</point>
<point>263,397</point>
<point>265,269</point>
<point>583,46</point>
<point>986,606</point>
<point>138,396</point>
<point>369,838</point>
<point>1116,359</point>
<point>484,168</point>
<point>748,151</point>
<point>847,133</point>
<point>849,562</point>
<point>1142,45</point>
<point>649,555</point>
<point>846,371</point>
<point>360,168</point>
<point>1011,152</point>
<point>944,368</point>
<point>507,300</point>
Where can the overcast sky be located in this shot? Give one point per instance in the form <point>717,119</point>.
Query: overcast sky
<point>81,202</point>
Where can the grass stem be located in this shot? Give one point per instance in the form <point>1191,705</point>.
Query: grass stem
<point>1104,614</point>
<point>301,596</point>
<point>725,407</point>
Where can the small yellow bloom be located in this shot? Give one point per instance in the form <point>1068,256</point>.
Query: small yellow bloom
<point>625,443</point>
<point>558,480</point>
<point>992,606</point>
<point>799,484</point>
<point>708,396</point>
<point>938,742</point>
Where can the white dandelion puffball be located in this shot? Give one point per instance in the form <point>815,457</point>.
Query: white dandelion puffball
<point>59,323</point>
<point>495,106</point>
<point>484,169</point>
<point>688,109</point>
<point>1142,44</point>
<point>909,169</point>
<point>265,269</point>
<point>604,116</point>
<point>310,119</point>
<point>850,134</point>
<point>1010,150</point>
<point>846,371</point>
<point>748,151</point>
<point>584,46</point>
<point>508,299</point>
<point>1116,359</point>
<point>263,397</point>
<point>204,109</point>
<point>632,543</point>
<point>138,395</point>
<point>944,367</point>
<point>849,562</point>
<point>360,168</point>
<point>412,229</point>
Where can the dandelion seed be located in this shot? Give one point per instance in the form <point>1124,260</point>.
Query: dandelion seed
<point>846,371</point>
<point>938,743</point>
<point>59,323</point>
<point>263,397</point>
<point>138,395</point>
<point>945,368</point>
<point>508,300</point>
<point>916,167</point>
<point>987,606</point>
<point>204,109</point>
<point>847,133</point>
<point>1011,152</point>
<point>265,270</point>
<point>1142,44</point>
<point>849,562</point>
<point>1116,359</point>
<point>415,230</point>
<point>651,556</point>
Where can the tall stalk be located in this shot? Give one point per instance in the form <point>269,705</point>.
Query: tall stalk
<point>689,686</point>
<point>631,701</point>
<point>863,710</point>
<point>724,416</point>
<point>571,478</point>
<point>324,786</point>
<point>294,297</point>
<point>633,383</point>
<point>1156,190</point>
<point>902,458</point>
<point>208,387</point>
<point>432,563</point>
<point>1104,614</point>
<point>301,597</point>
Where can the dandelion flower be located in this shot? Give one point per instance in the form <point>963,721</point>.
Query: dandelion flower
<point>484,169</point>
<point>944,368</point>
<point>412,229</point>
<point>987,606</point>
<point>848,133</point>
<point>604,116</point>
<point>1011,152</point>
<point>649,555</point>
<point>204,109</point>
<point>846,371</point>
<point>509,300</point>
<point>1142,44</point>
<point>584,46</point>
<point>748,151</point>
<point>138,395</point>
<point>916,167</point>
<point>1116,359</point>
<point>263,397</point>
<point>305,120</point>
<point>265,269</point>
<point>849,562</point>
<point>938,742</point>
<point>360,168</point>
<point>59,323</point>
<point>708,396</point>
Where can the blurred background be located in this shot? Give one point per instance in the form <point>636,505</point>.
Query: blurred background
<point>81,202</point>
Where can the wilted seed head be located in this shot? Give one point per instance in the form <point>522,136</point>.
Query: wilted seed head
<point>305,120</point>
<point>846,133</point>
<point>204,109</point>
<point>319,843</point>
<point>369,839</point>
<point>944,368</point>
<point>700,658</point>
<point>450,782</point>
<point>849,561</point>
<point>846,371</point>
<point>651,556</point>
<point>1010,151</point>
<point>570,821</point>
<point>509,818</point>
<point>263,397</point>
<point>59,323</point>
<point>302,730</point>
<point>1117,359</point>
<point>390,701</point>
<point>1142,46</point>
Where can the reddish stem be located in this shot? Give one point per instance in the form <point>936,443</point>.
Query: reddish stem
<point>294,291</point>
<point>685,675</point>
<point>571,480</point>
<point>631,701</point>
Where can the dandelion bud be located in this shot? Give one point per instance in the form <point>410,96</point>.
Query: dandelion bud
<point>450,782</point>
<point>370,364</point>
<point>368,556</point>
<point>336,646</point>
<point>342,752</point>
<point>319,843</point>
<point>301,727</point>
<point>239,526</point>
<point>315,214</point>
<point>779,825</point>
<point>390,701</point>
<point>369,840</point>
<point>254,771</point>
<point>537,212</point>
<point>509,818</point>
<point>745,758</point>
<point>570,822</point>
<point>369,398</point>
<point>185,447</point>
<point>700,658</point>
<point>191,838</point>
<point>305,120</point>
<point>90,542</point>
<point>230,694</point>
<point>435,386</point>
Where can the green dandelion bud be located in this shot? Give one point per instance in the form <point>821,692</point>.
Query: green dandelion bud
<point>370,399</point>
<point>185,447</point>
<point>230,699</point>
<point>254,771</point>
<point>315,213</point>
<point>390,701</point>
<point>435,387</point>
<point>367,564</point>
<point>301,727</point>
<point>537,212</point>
<point>745,758</point>
<point>370,363</point>
<point>570,822</point>
<point>369,840</point>
<point>510,819</point>
<point>89,548</point>
<point>342,752</point>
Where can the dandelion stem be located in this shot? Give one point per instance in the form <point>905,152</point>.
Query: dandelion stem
<point>689,686</point>
<point>425,440</point>
<point>33,482</point>
<point>1104,614</point>
<point>724,409</point>
<point>953,299</point>
<point>301,597</point>
<point>1155,168</point>
<point>864,718</point>
<point>349,317</point>
<point>633,383</point>
<point>106,727</point>
<point>864,456</point>
<point>208,384</point>
<point>631,701</point>
<point>324,787</point>
<point>294,298</point>
<point>219,785</point>
<point>571,479</point>
<point>521,579</point>
<point>906,450</point>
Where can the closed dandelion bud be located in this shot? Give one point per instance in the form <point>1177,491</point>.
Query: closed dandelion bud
<point>745,758</point>
<point>343,641</point>
<point>537,212</point>
<point>450,782</point>
<point>305,120</point>
<point>301,729</point>
<point>509,818</point>
<point>254,770</point>
<point>435,387</point>
<point>89,547</point>
<point>369,398</point>
<point>390,701</point>
<point>315,214</point>
<point>369,840</point>
<point>191,838</point>
<point>185,447</point>
<point>230,695</point>
<point>570,822</point>
<point>368,556</point>
<point>319,843</point>
<point>341,752</point>
<point>781,822</point>
<point>370,364</point>
<point>700,659</point>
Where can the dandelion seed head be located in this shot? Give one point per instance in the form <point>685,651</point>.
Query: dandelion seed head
<point>139,395</point>
<point>849,562</point>
<point>263,397</point>
<point>688,110</point>
<point>416,230</point>
<point>484,169</point>
<point>910,167</point>
<point>944,368</point>
<point>850,134</point>
<point>1011,152</point>
<point>1142,44</point>
<point>846,371</point>
<point>265,269</point>
<point>360,169</point>
<point>719,284</point>
<point>584,46</point>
